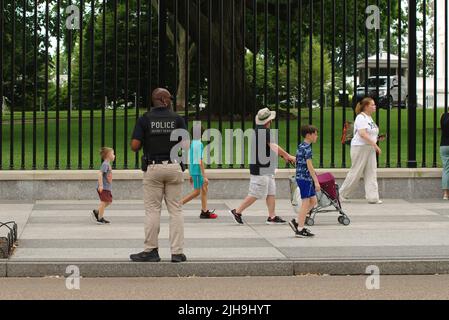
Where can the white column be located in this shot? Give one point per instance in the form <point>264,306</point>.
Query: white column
<point>441,45</point>
<point>441,52</point>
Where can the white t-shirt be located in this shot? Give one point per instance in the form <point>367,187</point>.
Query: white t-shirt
<point>364,121</point>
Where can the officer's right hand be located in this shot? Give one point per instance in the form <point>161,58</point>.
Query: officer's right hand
<point>191,180</point>
<point>100,189</point>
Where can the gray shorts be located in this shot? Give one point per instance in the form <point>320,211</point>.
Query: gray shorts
<point>262,186</point>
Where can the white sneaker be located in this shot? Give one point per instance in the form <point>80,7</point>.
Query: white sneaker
<point>445,198</point>
<point>376,202</point>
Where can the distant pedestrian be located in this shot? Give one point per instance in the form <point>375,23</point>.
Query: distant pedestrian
<point>363,154</point>
<point>262,183</point>
<point>198,178</point>
<point>444,151</point>
<point>306,179</point>
<point>104,185</point>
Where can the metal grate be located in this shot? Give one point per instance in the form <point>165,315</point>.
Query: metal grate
<point>7,242</point>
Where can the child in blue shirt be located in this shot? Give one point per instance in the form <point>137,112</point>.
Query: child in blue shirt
<point>306,179</point>
<point>198,179</point>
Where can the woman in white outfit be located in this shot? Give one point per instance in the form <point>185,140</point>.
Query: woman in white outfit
<point>363,153</point>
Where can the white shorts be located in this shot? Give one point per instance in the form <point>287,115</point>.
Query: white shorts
<point>262,186</point>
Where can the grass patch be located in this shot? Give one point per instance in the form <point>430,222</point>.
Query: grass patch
<point>394,152</point>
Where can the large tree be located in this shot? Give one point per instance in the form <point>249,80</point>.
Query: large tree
<point>221,82</point>
<point>12,57</point>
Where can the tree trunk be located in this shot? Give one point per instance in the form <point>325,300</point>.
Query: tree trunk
<point>181,90</point>
<point>181,56</point>
<point>230,93</point>
<point>220,91</point>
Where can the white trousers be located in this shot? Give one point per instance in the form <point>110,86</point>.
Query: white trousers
<point>364,164</point>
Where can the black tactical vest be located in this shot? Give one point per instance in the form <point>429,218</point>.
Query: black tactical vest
<point>157,144</point>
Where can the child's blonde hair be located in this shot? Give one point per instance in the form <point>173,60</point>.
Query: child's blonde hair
<point>104,152</point>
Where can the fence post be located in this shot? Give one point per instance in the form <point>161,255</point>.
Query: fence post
<point>412,94</point>
<point>162,43</point>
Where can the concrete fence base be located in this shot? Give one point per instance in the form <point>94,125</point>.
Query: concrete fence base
<point>224,184</point>
<point>222,268</point>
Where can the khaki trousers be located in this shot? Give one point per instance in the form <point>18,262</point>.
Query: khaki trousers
<point>163,181</point>
<point>364,164</point>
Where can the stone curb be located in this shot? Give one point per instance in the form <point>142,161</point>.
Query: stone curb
<point>224,269</point>
<point>213,174</point>
<point>163,269</point>
<point>403,267</point>
<point>2,268</point>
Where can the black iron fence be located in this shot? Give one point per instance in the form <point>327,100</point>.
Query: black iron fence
<point>75,75</point>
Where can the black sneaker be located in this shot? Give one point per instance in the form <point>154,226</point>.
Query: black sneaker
<point>304,233</point>
<point>294,225</point>
<point>103,221</point>
<point>276,220</point>
<point>236,216</point>
<point>208,214</point>
<point>152,256</point>
<point>94,215</point>
<point>178,258</point>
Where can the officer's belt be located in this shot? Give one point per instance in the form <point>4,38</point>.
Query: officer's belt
<point>159,161</point>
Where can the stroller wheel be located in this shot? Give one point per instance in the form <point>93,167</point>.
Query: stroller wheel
<point>340,219</point>
<point>15,233</point>
<point>346,221</point>
<point>10,243</point>
<point>310,222</point>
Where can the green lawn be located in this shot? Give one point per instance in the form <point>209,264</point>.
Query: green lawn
<point>122,142</point>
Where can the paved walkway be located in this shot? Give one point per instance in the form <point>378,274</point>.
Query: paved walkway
<point>313,288</point>
<point>52,232</point>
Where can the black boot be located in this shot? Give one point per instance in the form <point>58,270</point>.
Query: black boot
<point>178,258</point>
<point>152,256</point>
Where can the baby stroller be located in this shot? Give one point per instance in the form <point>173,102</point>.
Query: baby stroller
<point>327,197</point>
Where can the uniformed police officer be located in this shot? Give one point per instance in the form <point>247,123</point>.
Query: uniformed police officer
<point>163,177</point>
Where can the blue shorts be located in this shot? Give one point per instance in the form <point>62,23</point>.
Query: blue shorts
<point>307,188</point>
<point>198,182</point>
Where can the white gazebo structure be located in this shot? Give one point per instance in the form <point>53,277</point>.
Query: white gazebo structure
<point>383,66</point>
<point>428,97</point>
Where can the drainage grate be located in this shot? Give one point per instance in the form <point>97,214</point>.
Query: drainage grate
<point>7,242</point>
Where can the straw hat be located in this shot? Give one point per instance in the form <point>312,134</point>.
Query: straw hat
<point>264,116</point>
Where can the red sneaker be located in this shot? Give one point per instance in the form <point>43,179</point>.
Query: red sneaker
<point>208,214</point>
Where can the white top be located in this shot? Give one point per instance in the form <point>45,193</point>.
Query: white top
<point>363,121</point>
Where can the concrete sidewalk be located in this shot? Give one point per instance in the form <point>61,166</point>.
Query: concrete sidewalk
<point>400,237</point>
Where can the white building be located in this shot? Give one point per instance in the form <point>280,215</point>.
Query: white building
<point>420,81</point>
<point>440,65</point>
